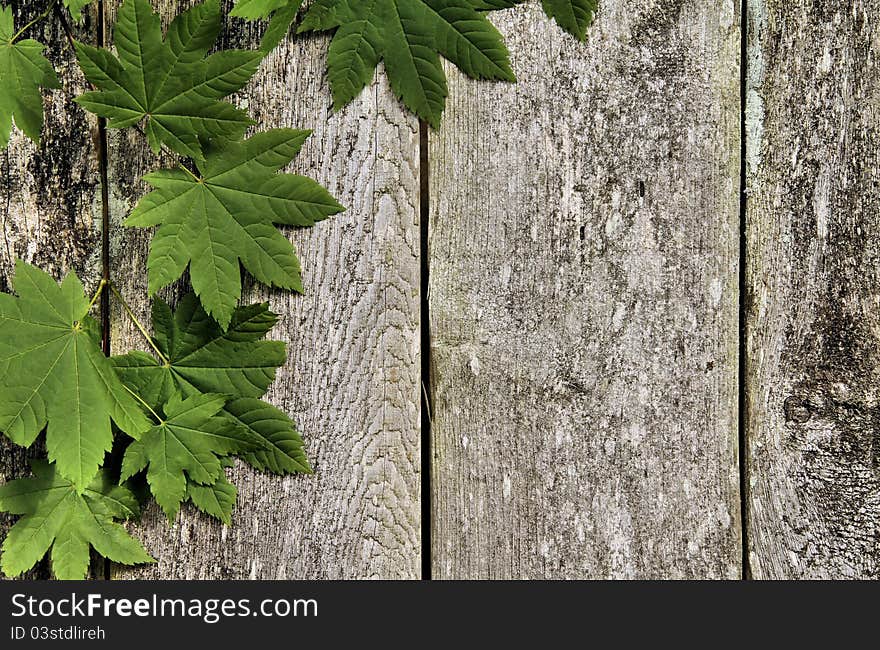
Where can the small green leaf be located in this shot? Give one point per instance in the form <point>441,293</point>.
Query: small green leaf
<point>410,36</point>
<point>52,371</point>
<point>57,516</point>
<point>188,443</point>
<point>282,449</point>
<point>574,16</point>
<point>169,83</point>
<point>216,500</point>
<point>279,26</point>
<point>256,9</point>
<point>23,71</point>
<point>225,216</point>
<point>76,7</point>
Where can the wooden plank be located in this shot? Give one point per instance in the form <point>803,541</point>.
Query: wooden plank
<point>352,381</point>
<point>584,302</point>
<point>813,231</point>
<point>49,194</point>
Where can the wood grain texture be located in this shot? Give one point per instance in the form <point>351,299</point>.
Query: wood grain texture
<point>352,381</point>
<point>583,295</point>
<point>48,195</point>
<point>814,289</point>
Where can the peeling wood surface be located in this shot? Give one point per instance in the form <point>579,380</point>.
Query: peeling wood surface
<point>48,195</point>
<point>584,296</point>
<point>352,381</point>
<point>814,289</point>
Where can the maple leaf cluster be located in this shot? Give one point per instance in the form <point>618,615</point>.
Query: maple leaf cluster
<point>176,417</point>
<point>182,415</point>
<point>179,415</point>
<point>220,216</point>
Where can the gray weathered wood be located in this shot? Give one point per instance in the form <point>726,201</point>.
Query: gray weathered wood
<point>813,232</point>
<point>583,295</point>
<point>47,196</point>
<point>584,292</point>
<point>353,376</point>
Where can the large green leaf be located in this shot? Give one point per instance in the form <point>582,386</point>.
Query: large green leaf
<point>225,215</point>
<point>56,516</point>
<point>23,71</point>
<point>52,371</point>
<point>410,36</point>
<point>202,358</point>
<point>188,443</point>
<point>169,83</point>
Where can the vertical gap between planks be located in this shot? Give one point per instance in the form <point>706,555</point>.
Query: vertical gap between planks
<point>105,222</point>
<point>105,205</point>
<point>743,299</point>
<point>425,331</point>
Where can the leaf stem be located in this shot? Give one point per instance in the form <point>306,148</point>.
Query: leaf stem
<point>140,399</point>
<point>101,287</point>
<point>42,16</point>
<point>188,171</point>
<point>139,325</point>
<point>65,26</point>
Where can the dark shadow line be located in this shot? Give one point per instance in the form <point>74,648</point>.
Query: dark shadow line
<point>105,222</point>
<point>425,347</point>
<point>743,389</point>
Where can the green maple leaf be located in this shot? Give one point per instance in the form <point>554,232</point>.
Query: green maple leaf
<point>56,515</point>
<point>574,16</point>
<point>217,499</point>
<point>52,371</point>
<point>23,71</point>
<point>188,443</point>
<point>226,215</point>
<point>76,7</point>
<point>199,357</point>
<point>169,83</point>
<point>256,9</point>
<point>410,36</point>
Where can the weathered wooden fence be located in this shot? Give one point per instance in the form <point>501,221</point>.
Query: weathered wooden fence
<point>653,292</point>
